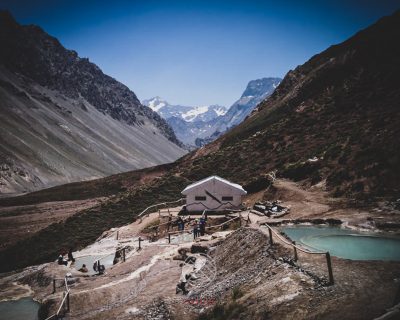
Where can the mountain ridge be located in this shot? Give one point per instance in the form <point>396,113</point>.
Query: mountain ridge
<point>256,91</point>
<point>64,120</point>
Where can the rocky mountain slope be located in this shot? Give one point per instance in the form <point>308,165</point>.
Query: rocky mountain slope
<point>187,122</point>
<point>333,123</point>
<point>63,119</point>
<point>255,92</point>
<point>197,126</point>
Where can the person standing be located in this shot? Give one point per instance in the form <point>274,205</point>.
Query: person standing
<point>195,229</point>
<point>70,256</point>
<point>179,221</point>
<point>202,226</point>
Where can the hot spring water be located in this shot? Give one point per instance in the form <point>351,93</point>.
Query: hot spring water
<point>345,243</point>
<point>24,308</point>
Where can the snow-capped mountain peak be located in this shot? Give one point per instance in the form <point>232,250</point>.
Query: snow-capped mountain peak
<point>186,113</point>
<point>155,103</point>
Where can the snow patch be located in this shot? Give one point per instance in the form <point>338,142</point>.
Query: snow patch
<point>192,114</point>
<point>132,310</point>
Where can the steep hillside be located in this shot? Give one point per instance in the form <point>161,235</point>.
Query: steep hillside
<point>255,92</point>
<point>341,107</point>
<point>63,120</point>
<point>334,120</point>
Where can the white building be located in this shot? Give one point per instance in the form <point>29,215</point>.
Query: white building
<point>213,193</point>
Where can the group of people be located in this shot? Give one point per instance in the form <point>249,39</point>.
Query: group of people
<point>199,226</point>
<point>64,261</point>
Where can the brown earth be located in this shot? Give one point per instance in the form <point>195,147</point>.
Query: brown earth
<point>20,222</point>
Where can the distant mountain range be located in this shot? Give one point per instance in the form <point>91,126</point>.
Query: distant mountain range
<point>186,113</point>
<point>63,119</point>
<point>196,126</point>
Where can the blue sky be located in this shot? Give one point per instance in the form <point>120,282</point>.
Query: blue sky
<point>198,52</point>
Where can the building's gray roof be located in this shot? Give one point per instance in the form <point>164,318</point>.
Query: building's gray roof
<point>198,183</point>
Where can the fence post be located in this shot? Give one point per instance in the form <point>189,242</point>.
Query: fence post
<point>328,262</point>
<point>63,304</point>
<point>140,246</point>
<point>169,237</point>
<point>54,285</point>
<point>123,254</point>
<point>270,237</point>
<point>68,301</point>
<point>295,250</point>
<point>117,234</point>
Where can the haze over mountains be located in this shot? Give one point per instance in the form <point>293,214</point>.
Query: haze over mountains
<point>63,119</point>
<point>196,126</point>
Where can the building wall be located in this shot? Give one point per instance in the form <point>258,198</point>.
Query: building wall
<point>216,188</point>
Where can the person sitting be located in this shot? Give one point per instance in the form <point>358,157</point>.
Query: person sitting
<point>61,260</point>
<point>83,268</point>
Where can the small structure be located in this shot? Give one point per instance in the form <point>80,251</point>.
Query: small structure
<point>213,193</point>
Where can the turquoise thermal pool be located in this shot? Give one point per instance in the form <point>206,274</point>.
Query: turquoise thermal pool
<point>24,308</point>
<point>345,243</point>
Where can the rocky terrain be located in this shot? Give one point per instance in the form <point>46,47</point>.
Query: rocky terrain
<point>241,276</point>
<point>63,119</point>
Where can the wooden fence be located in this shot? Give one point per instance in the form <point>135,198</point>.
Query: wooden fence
<point>296,248</point>
<point>64,306</point>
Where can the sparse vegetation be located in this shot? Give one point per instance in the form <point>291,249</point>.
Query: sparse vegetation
<point>228,311</point>
<point>237,293</point>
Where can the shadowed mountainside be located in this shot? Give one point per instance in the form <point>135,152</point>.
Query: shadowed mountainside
<point>341,107</point>
<point>63,119</point>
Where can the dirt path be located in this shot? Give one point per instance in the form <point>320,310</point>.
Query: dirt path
<point>316,203</point>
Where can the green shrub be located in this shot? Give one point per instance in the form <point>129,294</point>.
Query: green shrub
<point>237,293</point>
